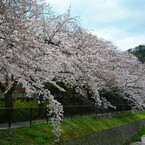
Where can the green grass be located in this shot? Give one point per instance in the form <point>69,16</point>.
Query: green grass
<point>41,133</point>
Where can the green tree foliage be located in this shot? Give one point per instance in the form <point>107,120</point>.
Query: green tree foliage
<point>139,52</point>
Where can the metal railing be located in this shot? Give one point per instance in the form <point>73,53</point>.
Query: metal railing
<point>10,117</point>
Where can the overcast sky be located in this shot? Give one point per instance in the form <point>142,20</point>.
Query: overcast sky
<point>121,21</point>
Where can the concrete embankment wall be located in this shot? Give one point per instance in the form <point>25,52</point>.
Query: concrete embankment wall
<point>113,136</point>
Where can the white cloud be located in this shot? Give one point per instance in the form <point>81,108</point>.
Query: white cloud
<point>110,33</point>
<point>121,38</point>
<point>130,42</point>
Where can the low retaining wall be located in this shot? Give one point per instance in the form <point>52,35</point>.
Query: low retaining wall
<point>101,116</point>
<point>113,136</point>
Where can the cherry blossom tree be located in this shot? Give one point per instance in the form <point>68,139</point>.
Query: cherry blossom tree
<point>28,49</point>
<point>29,42</point>
<point>38,47</point>
<point>130,75</point>
<point>97,64</point>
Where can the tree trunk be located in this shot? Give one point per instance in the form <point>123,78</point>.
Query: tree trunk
<point>8,104</point>
<point>9,100</point>
<point>8,91</point>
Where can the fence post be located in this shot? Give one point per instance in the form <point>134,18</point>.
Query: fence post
<point>96,110</point>
<point>81,111</point>
<point>71,113</point>
<point>47,115</point>
<point>30,116</point>
<point>9,121</point>
<point>88,111</point>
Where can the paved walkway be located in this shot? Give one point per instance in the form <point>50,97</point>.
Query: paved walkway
<point>5,126</point>
<point>137,143</point>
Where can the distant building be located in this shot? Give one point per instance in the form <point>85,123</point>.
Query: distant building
<point>19,93</point>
